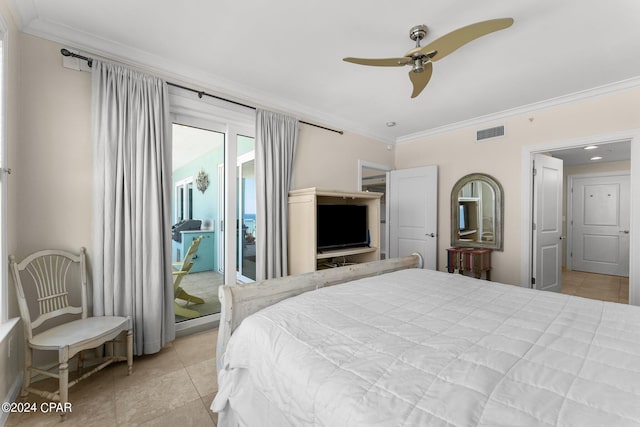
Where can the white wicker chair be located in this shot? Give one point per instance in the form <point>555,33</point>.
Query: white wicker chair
<point>48,277</point>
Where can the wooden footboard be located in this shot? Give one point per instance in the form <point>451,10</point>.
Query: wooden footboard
<point>240,301</point>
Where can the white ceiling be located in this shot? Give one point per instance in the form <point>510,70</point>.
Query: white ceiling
<point>287,55</point>
<point>190,143</point>
<point>612,152</point>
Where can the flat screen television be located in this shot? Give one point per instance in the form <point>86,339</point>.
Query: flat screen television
<point>342,226</point>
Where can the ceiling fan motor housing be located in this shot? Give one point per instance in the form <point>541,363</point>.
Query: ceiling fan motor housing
<point>418,32</point>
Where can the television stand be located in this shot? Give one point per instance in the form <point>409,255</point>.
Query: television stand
<point>344,252</point>
<point>303,204</point>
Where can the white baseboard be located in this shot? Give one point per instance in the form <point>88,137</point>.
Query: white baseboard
<point>11,396</point>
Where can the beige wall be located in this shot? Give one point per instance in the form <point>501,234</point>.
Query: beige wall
<point>456,153</point>
<point>329,161</point>
<point>53,168</point>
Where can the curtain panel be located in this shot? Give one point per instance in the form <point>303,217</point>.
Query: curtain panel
<point>276,139</point>
<point>132,203</point>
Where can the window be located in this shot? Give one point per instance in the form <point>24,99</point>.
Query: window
<point>184,200</point>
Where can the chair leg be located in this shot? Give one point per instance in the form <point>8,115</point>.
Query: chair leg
<point>130,351</point>
<point>183,295</point>
<point>64,385</point>
<point>185,312</point>
<point>80,363</point>
<point>26,381</point>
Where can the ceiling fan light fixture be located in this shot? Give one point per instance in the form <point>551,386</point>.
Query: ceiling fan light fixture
<point>417,66</point>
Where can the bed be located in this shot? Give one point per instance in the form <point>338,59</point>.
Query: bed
<point>414,347</point>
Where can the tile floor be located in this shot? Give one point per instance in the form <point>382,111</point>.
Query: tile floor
<point>596,286</point>
<point>172,388</point>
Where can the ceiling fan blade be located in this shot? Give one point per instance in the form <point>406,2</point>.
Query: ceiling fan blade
<point>420,80</point>
<point>380,62</point>
<point>458,38</point>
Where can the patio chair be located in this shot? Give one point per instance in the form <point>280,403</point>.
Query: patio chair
<point>182,269</point>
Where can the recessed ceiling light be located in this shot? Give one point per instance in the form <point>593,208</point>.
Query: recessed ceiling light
<point>590,147</point>
<point>596,158</point>
<point>391,124</point>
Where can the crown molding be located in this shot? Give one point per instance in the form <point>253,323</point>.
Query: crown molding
<point>24,11</point>
<point>31,23</point>
<point>536,106</point>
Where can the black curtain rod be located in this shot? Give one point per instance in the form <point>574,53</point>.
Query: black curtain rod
<point>67,52</point>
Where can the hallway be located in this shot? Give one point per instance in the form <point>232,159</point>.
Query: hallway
<point>596,286</point>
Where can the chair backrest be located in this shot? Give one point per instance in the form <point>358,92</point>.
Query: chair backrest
<point>46,275</point>
<point>187,263</point>
<point>188,257</point>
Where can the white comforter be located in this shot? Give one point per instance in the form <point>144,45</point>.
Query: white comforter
<point>424,348</point>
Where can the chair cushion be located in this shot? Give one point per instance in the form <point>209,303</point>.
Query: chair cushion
<point>80,332</point>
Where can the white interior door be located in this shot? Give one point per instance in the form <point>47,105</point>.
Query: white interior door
<point>547,226</point>
<point>413,213</point>
<point>600,224</point>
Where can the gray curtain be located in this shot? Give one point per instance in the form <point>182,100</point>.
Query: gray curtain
<point>132,203</point>
<point>276,138</point>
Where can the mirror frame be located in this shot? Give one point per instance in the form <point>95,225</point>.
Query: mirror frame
<point>498,243</point>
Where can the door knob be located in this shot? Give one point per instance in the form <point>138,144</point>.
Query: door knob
<point>431,234</point>
<point>624,231</point>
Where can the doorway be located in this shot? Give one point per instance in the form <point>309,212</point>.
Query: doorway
<point>374,177</point>
<point>413,214</point>
<point>559,149</point>
<point>232,126</point>
<point>196,154</point>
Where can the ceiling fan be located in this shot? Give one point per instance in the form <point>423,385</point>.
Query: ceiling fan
<point>421,58</point>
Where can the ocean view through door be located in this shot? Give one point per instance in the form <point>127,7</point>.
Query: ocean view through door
<point>246,200</point>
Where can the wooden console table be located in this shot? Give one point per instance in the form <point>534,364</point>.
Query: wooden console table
<point>469,259</point>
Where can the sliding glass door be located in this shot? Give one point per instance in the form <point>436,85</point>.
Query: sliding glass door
<point>246,208</point>
<point>214,188</point>
<point>197,217</point>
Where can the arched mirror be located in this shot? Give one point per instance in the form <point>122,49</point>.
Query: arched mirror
<point>476,212</point>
